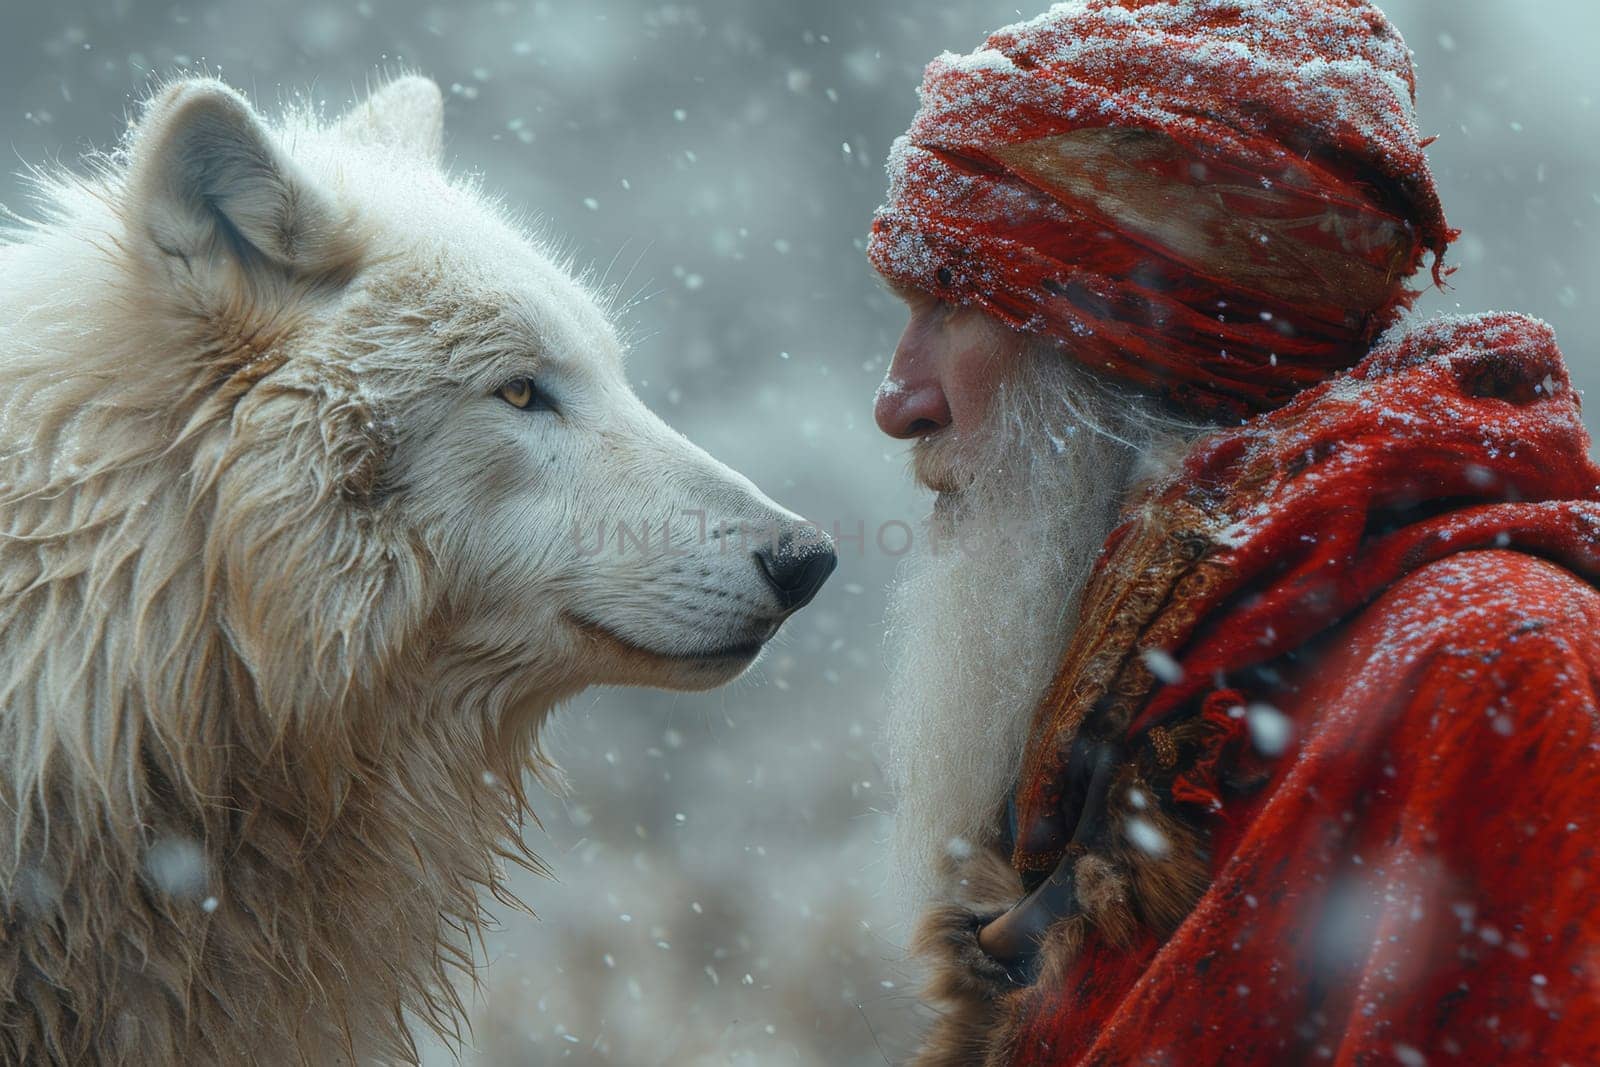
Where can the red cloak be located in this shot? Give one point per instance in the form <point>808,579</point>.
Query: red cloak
<point>1351,653</point>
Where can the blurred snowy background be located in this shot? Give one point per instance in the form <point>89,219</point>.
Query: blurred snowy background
<point>720,897</point>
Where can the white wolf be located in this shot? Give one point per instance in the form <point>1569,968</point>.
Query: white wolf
<point>303,454</point>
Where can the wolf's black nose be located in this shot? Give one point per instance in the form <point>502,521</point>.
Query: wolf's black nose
<point>796,567</point>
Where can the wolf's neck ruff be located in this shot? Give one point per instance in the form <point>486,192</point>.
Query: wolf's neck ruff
<point>176,833</point>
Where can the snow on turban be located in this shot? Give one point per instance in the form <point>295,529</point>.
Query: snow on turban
<point>1220,201</point>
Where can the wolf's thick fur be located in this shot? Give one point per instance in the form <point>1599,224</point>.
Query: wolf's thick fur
<point>286,587</point>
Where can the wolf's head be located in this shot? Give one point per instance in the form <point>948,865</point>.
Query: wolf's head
<point>319,483</point>
<point>408,427</point>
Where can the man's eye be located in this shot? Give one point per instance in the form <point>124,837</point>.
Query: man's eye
<point>523,395</point>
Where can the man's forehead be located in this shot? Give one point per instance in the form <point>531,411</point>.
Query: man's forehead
<point>909,295</point>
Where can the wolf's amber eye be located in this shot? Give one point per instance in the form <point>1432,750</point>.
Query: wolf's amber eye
<point>523,395</point>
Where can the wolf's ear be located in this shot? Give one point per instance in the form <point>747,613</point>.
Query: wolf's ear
<point>406,114</point>
<point>207,177</point>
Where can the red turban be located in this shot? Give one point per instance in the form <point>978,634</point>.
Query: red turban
<point>1216,200</point>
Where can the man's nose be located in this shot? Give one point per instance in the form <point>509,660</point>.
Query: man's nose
<point>911,401</point>
<point>907,411</point>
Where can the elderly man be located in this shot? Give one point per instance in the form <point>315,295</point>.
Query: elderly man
<point>1254,719</point>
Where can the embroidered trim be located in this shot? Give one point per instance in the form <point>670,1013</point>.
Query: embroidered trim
<point>1166,748</point>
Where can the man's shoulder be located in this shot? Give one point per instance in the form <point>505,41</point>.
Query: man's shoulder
<point>1492,595</point>
<point>1478,629</point>
<point>1477,674</point>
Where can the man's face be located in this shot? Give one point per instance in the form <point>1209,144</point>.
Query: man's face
<point>1008,433</point>
<point>944,377</point>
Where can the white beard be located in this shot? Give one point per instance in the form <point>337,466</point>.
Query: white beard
<point>976,632</point>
